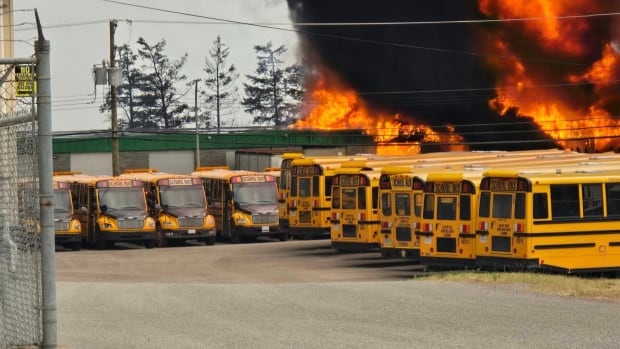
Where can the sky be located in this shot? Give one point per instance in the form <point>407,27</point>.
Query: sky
<point>79,36</point>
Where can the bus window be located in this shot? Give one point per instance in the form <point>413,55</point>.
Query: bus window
<point>375,198</point>
<point>520,206</point>
<point>315,186</point>
<point>592,200</point>
<point>294,186</point>
<point>403,205</point>
<point>336,197</point>
<point>446,208</point>
<point>361,198</point>
<point>465,213</point>
<point>613,198</point>
<point>304,187</point>
<point>564,201</point>
<point>502,205</point>
<point>484,205</point>
<point>540,206</point>
<point>348,199</point>
<point>328,186</point>
<point>429,206</point>
<point>386,204</point>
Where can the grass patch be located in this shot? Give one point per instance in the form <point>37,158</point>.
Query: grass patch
<point>600,288</point>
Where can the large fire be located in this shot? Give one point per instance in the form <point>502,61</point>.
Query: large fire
<point>554,62</point>
<point>337,107</point>
<point>572,110</point>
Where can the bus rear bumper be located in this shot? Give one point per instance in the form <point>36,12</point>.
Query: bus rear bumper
<point>449,262</point>
<point>310,233</point>
<point>506,263</point>
<point>400,253</point>
<point>352,246</point>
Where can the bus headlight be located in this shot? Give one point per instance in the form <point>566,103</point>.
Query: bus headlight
<point>241,220</point>
<point>210,220</point>
<point>169,224</point>
<point>77,225</point>
<point>150,222</point>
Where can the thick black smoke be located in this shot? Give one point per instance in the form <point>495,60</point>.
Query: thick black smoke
<point>437,60</point>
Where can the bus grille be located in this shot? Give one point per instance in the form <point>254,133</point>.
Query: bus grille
<point>191,221</point>
<point>130,224</point>
<point>349,230</point>
<point>305,216</point>
<point>403,234</point>
<point>446,245</point>
<point>61,225</point>
<point>265,218</point>
<point>500,243</point>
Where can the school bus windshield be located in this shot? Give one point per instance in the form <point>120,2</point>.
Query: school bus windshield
<point>122,198</point>
<point>182,196</point>
<point>62,201</point>
<point>255,193</point>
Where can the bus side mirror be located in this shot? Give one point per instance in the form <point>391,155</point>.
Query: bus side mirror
<point>83,210</point>
<point>157,206</point>
<point>104,208</point>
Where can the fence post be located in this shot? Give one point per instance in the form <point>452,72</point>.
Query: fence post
<point>46,193</point>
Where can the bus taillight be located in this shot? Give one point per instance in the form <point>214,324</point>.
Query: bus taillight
<point>484,226</point>
<point>335,216</point>
<point>386,225</point>
<point>464,229</point>
<point>293,203</point>
<point>426,227</point>
<point>315,203</point>
<point>362,217</point>
<point>518,227</point>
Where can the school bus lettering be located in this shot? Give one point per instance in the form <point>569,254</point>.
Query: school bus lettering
<point>349,180</point>
<point>447,188</point>
<point>503,184</point>
<point>120,183</point>
<point>503,228</point>
<point>306,170</point>
<point>180,181</point>
<point>402,182</point>
<point>253,179</point>
<point>447,230</point>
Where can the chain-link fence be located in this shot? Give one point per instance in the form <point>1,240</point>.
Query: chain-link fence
<point>20,243</point>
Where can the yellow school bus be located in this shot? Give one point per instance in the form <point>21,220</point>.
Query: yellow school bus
<point>178,204</point>
<point>355,224</point>
<point>67,227</point>
<point>309,202</point>
<point>244,203</point>
<point>111,209</point>
<point>284,189</point>
<point>566,221</point>
<point>447,228</point>
<point>400,203</point>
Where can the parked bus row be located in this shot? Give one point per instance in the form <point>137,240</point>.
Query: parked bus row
<point>156,209</point>
<point>441,210</point>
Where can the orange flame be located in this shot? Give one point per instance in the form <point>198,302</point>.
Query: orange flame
<point>573,123</point>
<point>337,107</point>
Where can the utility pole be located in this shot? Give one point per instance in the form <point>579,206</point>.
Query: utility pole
<point>115,167</point>
<point>197,159</point>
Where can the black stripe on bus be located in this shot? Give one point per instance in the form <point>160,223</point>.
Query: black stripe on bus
<point>368,222</point>
<point>615,243</point>
<point>558,246</point>
<point>321,209</point>
<point>571,233</point>
<point>570,220</point>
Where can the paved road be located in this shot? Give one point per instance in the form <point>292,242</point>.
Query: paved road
<point>298,294</point>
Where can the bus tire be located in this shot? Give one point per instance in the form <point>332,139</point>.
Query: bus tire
<point>234,236</point>
<point>76,246</point>
<point>159,237</point>
<point>283,236</point>
<point>210,241</point>
<point>100,243</point>
<point>149,244</point>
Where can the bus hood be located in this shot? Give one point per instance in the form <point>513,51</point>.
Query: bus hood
<point>127,214</point>
<point>62,216</point>
<point>187,211</point>
<point>260,208</point>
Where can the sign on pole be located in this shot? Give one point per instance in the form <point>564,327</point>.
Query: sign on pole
<point>25,78</point>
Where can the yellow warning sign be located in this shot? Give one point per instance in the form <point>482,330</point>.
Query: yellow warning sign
<point>25,79</point>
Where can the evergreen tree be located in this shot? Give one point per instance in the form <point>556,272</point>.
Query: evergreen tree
<point>273,95</point>
<point>221,92</point>
<point>159,99</point>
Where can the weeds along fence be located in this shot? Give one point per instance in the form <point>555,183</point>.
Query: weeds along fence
<point>20,228</point>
